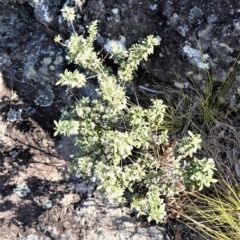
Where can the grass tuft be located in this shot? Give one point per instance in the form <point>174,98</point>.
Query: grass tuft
<point>216,214</point>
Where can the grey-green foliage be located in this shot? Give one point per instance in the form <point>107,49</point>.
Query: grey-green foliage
<point>120,143</point>
<point>199,173</point>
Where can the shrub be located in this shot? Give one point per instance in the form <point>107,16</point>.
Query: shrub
<point>123,146</point>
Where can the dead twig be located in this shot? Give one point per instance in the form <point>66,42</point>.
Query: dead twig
<point>15,79</point>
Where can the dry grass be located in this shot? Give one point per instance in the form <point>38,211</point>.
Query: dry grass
<point>222,143</point>
<point>216,214</point>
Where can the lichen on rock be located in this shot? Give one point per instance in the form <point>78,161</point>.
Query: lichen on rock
<point>21,190</point>
<point>45,97</point>
<point>14,115</point>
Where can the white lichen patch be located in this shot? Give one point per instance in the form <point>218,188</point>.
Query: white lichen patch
<point>58,60</point>
<point>195,14</point>
<point>5,60</point>
<point>52,68</point>
<point>196,57</point>
<point>237,26</point>
<point>21,190</point>
<point>31,73</point>
<point>51,53</point>
<point>153,6</point>
<point>175,15</point>
<point>47,60</point>
<point>35,3</point>
<point>44,98</point>
<point>212,19</point>
<point>14,153</point>
<point>14,115</point>
<point>183,29</point>
<point>46,15</point>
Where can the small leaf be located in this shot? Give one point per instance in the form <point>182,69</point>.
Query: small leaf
<point>68,14</point>
<point>57,38</point>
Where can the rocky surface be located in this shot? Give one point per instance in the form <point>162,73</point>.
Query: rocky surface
<point>196,36</point>
<point>202,26</point>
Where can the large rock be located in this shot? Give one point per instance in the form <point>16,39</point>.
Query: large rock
<point>196,35</point>
<point>188,31</point>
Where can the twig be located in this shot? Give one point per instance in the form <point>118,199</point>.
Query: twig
<point>15,79</point>
<point>149,89</point>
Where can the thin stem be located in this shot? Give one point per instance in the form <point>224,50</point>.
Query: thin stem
<point>15,79</point>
